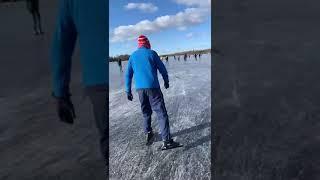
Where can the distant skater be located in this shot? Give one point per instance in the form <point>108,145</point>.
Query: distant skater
<point>33,8</point>
<point>174,57</point>
<point>120,65</point>
<point>167,58</point>
<point>143,64</point>
<point>185,57</point>
<point>178,58</point>
<point>195,56</point>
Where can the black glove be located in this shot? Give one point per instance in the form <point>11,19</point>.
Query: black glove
<point>129,96</point>
<point>166,85</point>
<point>65,109</point>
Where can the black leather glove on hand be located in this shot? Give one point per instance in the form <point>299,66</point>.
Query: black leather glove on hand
<point>129,96</point>
<point>166,85</point>
<point>65,110</point>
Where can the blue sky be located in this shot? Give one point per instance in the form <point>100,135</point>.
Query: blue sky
<point>170,25</point>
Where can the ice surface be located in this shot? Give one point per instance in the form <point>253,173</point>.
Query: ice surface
<point>266,90</point>
<point>188,102</point>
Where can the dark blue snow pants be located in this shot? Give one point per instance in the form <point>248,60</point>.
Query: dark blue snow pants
<point>152,99</point>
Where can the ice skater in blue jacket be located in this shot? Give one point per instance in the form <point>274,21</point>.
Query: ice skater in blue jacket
<point>88,22</point>
<point>143,65</point>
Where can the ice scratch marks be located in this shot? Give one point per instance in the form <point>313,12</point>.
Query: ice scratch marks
<point>233,98</point>
<point>235,93</point>
<point>183,90</point>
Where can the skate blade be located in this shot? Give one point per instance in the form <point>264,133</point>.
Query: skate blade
<point>172,147</point>
<point>149,143</point>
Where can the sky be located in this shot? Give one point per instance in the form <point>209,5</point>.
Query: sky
<point>170,25</point>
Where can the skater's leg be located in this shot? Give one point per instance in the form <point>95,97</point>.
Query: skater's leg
<point>36,10</point>
<point>31,11</point>
<point>146,110</point>
<point>35,24</point>
<point>38,16</point>
<point>158,105</point>
<point>39,22</point>
<point>99,100</point>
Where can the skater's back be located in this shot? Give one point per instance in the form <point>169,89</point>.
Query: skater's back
<point>144,63</point>
<point>88,21</point>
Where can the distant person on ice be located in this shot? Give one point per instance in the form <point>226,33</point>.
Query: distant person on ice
<point>120,64</point>
<point>89,25</point>
<point>33,7</point>
<point>143,65</point>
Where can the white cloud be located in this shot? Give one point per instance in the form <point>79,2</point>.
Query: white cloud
<point>181,20</point>
<point>199,3</point>
<point>182,28</point>
<point>144,7</point>
<point>189,35</point>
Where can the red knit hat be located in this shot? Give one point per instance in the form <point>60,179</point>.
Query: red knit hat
<point>143,41</point>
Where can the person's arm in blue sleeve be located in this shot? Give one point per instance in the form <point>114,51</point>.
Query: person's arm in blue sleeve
<point>129,75</point>
<point>162,69</point>
<point>62,49</point>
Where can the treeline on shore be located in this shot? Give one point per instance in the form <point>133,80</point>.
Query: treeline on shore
<point>125,57</point>
<point>119,58</point>
<point>192,52</point>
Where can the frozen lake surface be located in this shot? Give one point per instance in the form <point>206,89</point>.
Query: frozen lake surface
<point>188,102</point>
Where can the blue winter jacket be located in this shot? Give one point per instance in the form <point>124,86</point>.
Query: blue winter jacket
<point>143,64</point>
<point>87,20</point>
